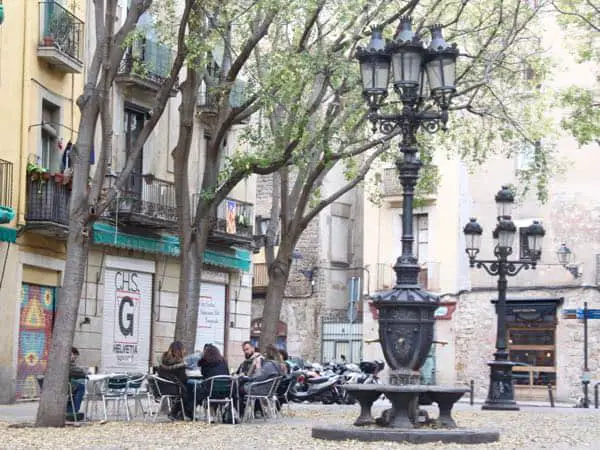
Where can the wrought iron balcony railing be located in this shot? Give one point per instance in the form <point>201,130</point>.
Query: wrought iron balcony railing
<point>233,224</point>
<point>146,201</point>
<point>61,30</point>
<point>393,188</point>
<point>235,217</point>
<point>148,61</point>
<point>47,202</point>
<point>6,183</point>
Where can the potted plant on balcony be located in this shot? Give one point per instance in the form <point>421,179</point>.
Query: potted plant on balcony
<point>37,172</point>
<point>60,30</point>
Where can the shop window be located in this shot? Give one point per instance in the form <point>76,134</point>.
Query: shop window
<point>531,333</point>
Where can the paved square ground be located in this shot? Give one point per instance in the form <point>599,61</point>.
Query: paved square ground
<point>530,428</point>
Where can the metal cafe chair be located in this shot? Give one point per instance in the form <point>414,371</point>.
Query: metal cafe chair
<point>263,392</point>
<point>283,392</point>
<point>221,391</point>
<point>115,390</point>
<point>163,392</point>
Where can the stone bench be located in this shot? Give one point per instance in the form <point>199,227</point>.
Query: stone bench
<point>405,403</point>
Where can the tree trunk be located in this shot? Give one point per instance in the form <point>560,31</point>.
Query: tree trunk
<point>189,260</point>
<point>279,272</point>
<point>53,401</point>
<point>52,408</point>
<point>196,261</point>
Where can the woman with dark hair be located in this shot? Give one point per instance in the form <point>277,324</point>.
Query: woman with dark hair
<point>172,368</point>
<point>211,365</point>
<point>212,362</point>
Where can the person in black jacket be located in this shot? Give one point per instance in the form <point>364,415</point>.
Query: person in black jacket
<point>172,368</point>
<point>211,364</point>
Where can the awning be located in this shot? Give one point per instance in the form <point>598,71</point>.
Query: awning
<point>240,260</point>
<point>168,244</point>
<point>107,234</point>
<point>8,234</point>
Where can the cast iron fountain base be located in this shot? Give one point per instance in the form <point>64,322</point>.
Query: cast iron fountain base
<point>401,422</point>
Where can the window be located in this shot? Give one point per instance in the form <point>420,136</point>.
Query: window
<point>522,226</point>
<point>134,122</point>
<point>50,152</point>
<point>525,155</point>
<point>534,351</point>
<point>421,232</point>
<point>339,239</point>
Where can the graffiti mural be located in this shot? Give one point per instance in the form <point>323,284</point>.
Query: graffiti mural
<point>35,330</point>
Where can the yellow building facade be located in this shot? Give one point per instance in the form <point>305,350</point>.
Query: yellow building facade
<point>45,50</point>
<point>41,74</point>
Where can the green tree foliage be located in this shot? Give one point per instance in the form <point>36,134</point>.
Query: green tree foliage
<point>581,21</point>
<point>310,97</point>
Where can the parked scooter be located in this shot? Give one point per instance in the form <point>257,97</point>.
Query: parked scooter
<point>315,388</point>
<point>367,373</point>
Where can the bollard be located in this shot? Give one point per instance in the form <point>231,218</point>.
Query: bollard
<point>472,392</point>
<point>596,395</point>
<point>550,395</point>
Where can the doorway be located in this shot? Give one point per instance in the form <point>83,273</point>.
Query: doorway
<point>134,123</point>
<point>36,320</point>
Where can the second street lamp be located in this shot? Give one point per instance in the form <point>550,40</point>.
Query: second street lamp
<point>500,392</point>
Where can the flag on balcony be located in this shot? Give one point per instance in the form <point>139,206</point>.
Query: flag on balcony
<point>230,217</point>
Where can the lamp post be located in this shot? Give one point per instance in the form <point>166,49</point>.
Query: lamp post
<point>423,79</point>
<point>500,392</point>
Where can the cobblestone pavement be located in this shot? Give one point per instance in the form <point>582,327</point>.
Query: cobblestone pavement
<point>531,428</point>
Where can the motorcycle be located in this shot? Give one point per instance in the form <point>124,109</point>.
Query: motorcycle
<point>323,389</point>
<point>367,373</point>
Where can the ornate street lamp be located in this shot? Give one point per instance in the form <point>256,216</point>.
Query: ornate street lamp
<point>423,79</point>
<point>564,256</point>
<point>500,393</point>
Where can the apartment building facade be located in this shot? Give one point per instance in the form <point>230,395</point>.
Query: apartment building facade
<point>128,303</point>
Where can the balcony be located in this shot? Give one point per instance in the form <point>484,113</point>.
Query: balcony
<point>260,280</point>
<point>146,65</point>
<point>61,38</point>
<point>385,277</point>
<point>207,101</point>
<point>48,199</point>
<point>147,202</point>
<point>233,225</point>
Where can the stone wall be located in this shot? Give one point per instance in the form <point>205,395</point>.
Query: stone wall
<point>308,301</point>
<point>474,324</point>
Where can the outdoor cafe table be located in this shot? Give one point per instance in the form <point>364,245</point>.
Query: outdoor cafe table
<point>94,387</point>
<point>196,379</point>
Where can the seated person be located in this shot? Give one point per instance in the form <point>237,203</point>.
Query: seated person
<point>172,368</point>
<point>77,377</point>
<point>211,364</point>
<point>271,367</point>
<point>285,358</point>
<point>252,362</point>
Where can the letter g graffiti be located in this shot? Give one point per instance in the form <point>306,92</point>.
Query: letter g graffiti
<point>126,320</point>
